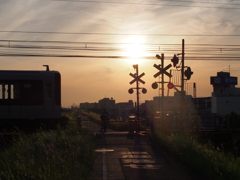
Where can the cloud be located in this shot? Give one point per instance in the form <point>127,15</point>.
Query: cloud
<point>111,76</point>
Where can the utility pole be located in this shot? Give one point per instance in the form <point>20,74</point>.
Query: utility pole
<point>137,87</point>
<point>182,85</point>
<point>162,63</point>
<point>182,70</point>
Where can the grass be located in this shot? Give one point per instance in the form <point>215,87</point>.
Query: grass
<point>118,126</point>
<point>93,116</point>
<point>203,158</point>
<point>71,114</point>
<point>113,124</point>
<point>61,154</point>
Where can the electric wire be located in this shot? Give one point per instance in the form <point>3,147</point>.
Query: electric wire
<point>156,4</point>
<point>119,34</point>
<point>187,46</point>
<point>117,57</point>
<point>194,51</point>
<point>218,3</point>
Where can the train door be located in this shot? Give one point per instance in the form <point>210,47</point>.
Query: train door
<point>49,97</point>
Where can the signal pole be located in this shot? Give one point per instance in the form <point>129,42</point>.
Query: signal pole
<point>182,85</point>
<point>137,79</point>
<point>182,71</point>
<point>162,62</point>
<point>162,71</point>
<point>137,86</point>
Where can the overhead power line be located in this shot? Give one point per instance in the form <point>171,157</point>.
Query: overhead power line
<point>200,51</point>
<point>78,42</point>
<point>116,57</point>
<point>73,45</point>
<point>108,43</point>
<point>118,34</point>
<point>117,50</point>
<point>157,4</point>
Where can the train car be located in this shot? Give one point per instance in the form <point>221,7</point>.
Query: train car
<point>29,99</point>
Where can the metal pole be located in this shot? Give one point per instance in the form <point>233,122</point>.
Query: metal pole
<point>182,85</point>
<point>162,63</point>
<point>137,100</point>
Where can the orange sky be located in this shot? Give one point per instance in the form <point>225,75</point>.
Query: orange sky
<point>118,29</point>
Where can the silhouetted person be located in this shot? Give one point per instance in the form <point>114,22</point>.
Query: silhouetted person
<point>104,120</point>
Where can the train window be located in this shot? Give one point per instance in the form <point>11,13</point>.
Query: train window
<point>2,91</point>
<point>49,90</point>
<point>31,92</point>
<point>21,92</point>
<point>6,91</point>
<point>9,91</point>
<point>15,91</point>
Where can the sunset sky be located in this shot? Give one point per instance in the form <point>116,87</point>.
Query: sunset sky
<point>87,30</point>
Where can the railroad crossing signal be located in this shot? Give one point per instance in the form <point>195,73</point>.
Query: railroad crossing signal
<point>188,73</point>
<point>162,70</point>
<point>137,78</point>
<point>130,91</point>
<point>154,85</point>
<point>170,85</point>
<point>175,60</point>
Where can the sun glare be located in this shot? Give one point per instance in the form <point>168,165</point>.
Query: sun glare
<point>134,49</point>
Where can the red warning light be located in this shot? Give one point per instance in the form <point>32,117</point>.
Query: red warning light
<point>170,85</point>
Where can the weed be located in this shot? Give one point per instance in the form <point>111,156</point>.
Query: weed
<point>61,154</point>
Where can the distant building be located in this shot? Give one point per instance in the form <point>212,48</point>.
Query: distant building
<point>87,105</point>
<point>149,107</point>
<point>172,103</point>
<point>125,109</point>
<point>125,105</point>
<point>225,97</point>
<point>202,104</point>
<point>106,103</point>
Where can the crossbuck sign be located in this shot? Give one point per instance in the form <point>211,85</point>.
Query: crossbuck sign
<point>137,78</point>
<point>162,70</point>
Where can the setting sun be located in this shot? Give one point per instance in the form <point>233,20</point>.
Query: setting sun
<point>134,49</point>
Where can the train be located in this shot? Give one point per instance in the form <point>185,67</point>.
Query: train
<point>30,99</point>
